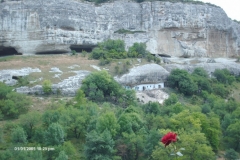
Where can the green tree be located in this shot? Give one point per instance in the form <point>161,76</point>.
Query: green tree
<point>224,76</point>
<point>80,97</point>
<point>233,135</point>
<point>29,122</point>
<point>172,99</point>
<point>18,135</point>
<point>62,156</point>
<point>99,146</point>
<point>200,72</point>
<point>100,86</point>
<point>75,121</point>
<point>231,154</point>
<point>15,104</point>
<point>108,121</point>
<point>50,116</point>
<point>54,135</point>
<point>4,90</point>
<point>47,86</point>
<point>139,48</point>
<point>182,80</point>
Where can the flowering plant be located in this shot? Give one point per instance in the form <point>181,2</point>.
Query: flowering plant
<point>167,139</point>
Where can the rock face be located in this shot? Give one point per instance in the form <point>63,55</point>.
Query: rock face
<point>67,87</point>
<point>177,29</point>
<point>219,63</point>
<point>148,73</point>
<point>10,76</point>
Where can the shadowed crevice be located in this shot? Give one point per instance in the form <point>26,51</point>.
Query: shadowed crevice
<point>80,48</point>
<point>8,51</point>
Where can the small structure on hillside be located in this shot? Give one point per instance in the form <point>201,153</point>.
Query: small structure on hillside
<point>145,77</point>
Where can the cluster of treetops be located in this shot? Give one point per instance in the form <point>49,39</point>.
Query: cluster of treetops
<point>106,121</point>
<point>115,49</point>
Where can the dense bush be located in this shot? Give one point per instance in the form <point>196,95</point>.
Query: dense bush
<point>47,86</point>
<point>224,76</point>
<point>12,104</point>
<point>182,81</point>
<point>109,49</point>
<point>100,86</point>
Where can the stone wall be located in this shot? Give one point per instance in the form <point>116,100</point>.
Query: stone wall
<point>49,26</point>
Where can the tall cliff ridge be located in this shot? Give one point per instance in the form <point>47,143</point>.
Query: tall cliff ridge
<point>176,29</point>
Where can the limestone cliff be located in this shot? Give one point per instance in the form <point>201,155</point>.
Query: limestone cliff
<point>39,26</point>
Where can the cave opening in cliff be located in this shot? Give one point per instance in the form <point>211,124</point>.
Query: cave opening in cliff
<point>8,51</point>
<point>51,52</point>
<point>164,55</point>
<point>80,48</point>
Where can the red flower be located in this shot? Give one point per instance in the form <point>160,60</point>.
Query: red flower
<point>169,138</point>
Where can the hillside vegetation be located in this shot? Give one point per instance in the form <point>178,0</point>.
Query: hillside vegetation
<point>105,121</point>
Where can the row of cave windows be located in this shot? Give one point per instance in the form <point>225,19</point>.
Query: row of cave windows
<point>8,51</point>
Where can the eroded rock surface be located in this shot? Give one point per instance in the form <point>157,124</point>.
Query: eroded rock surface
<point>67,87</point>
<point>177,29</point>
<point>148,73</point>
<point>219,63</point>
<point>10,76</point>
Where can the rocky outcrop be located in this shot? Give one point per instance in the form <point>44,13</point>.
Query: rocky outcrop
<point>148,73</point>
<point>11,76</point>
<point>220,63</point>
<point>67,87</point>
<point>177,29</point>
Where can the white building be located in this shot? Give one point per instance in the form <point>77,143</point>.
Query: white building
<point>143,87</point>
<point>145,77</point>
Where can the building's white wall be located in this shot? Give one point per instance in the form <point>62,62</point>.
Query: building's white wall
<point>142,87</point>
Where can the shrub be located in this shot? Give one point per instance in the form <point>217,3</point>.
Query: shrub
<point>139,48</point>
<point>47,86</point>
<point>74,52</point>
<point>224,76</point>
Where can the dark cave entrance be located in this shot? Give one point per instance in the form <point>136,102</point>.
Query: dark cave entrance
<point>51,52</point>
<point>8,51</point>
<point>80,48</point>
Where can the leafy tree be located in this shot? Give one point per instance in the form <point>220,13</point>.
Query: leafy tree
<point>172,99</point>
<point>233,132</point>
<point>6,155</point>
<point>220,89</point>
<point>152,107</point>
<point>182,80</point>
<point>69,148</point>
<point>54,135</point>
<point>47,86</point>
<point>19,135</point>
<point>15,104</point>
<point>231,154</point>
<point>99,146</point>
<point>130,122</point>
<point>75,121</point>
<point>152,141</point>
<point>108,121</point>
<point>224,76</point>
<point>100,86</point>
<point>200,72</point>
<point>80,97</point>
<point>62,156</point>
<point>50,116</point>
<point>196,147</point>
<point>134,144</point>
<point>29,122</point>
<point>4,90</point>
<point>139,48</point>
